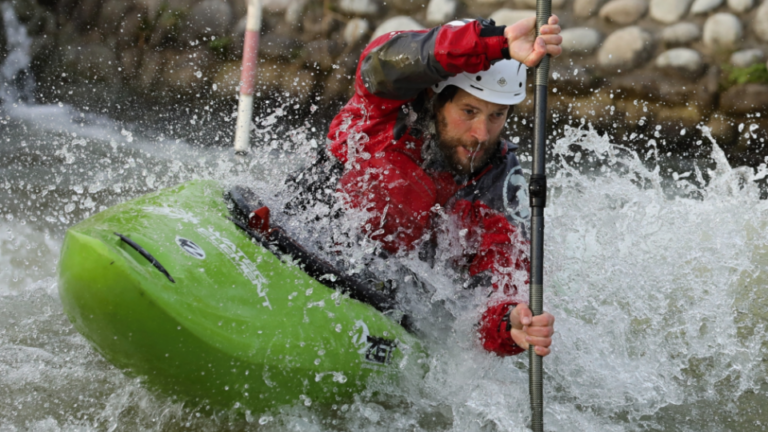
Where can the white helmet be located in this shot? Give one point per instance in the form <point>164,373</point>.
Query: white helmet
<point>503,83</point>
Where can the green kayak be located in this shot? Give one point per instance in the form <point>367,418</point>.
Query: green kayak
<point>171,287</point>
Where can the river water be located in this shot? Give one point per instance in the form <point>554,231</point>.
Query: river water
<point>654,267</point>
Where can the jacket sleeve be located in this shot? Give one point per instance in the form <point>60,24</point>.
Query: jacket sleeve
<point>495,247</point>
<point>399,66</point>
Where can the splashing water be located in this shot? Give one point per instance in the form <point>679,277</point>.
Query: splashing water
<point>654,269</point>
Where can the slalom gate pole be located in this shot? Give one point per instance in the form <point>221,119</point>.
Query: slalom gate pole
<point>538,200</point>
<point>248,77</point>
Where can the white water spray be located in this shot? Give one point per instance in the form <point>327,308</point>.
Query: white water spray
<point>657,282</point>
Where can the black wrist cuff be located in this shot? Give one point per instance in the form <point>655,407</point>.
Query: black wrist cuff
<point>506,319</point>
<point>490,29</point>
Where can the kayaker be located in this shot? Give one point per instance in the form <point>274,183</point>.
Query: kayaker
<point>419,148</point>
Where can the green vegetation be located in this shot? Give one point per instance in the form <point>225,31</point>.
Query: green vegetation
<point>220,46</point>
<point>757,73</point>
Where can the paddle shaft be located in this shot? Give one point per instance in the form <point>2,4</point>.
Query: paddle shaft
<point>538,200</point>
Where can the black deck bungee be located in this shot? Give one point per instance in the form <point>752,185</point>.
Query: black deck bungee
<point>280,242</point>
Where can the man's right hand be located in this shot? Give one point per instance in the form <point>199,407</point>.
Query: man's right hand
<point>528,49</point>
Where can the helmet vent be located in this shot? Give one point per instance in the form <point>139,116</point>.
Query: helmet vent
<point>478,78</point>
<point>476,87</point>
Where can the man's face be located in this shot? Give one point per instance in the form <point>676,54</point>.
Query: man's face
<point>468,130</point>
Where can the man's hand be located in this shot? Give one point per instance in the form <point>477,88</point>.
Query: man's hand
<point>532,330</point>
<point>528,49</point>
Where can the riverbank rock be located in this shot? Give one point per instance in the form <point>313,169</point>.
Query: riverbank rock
<point>669,11</point>
<point>747,58</point>
<point>740,6</point>
<point>111,15</point>
<point>441,11</point>
<point>164,51</point>
<point>356,30</point>
<point>209,18</point>
<point>580,40</point>
<point>510,16</point>
<point>703,6</point>
<point>321,54</point>
<point>625,49</point>
<point>723,31</point>
<point>359,7</point>
<point>406,6</point>
<point>397,23</point>
<point>722,129</point>
<point>586,8</point>
<point>745,99</point>
<point>682,61</point>
<point>556,4</point>
<point>226,80</point>
<point>273,46</point>
<point>92,62</point>
<point>760,22</point>
<point>680,34</point>
<point>185,72</point>
<point>624,12</point>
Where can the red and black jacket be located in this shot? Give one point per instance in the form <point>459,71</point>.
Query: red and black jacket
<point>375,138</point>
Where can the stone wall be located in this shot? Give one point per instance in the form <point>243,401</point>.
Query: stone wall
<point>636,69</point>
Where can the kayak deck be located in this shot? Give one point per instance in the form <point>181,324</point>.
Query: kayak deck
<point>228,324</point>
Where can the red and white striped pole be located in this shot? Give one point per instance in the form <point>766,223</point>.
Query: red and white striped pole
<point>248,77</point>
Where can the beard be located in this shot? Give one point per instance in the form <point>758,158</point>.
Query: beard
<point>449,147</point>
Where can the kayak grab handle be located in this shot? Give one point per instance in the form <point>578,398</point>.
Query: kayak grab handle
<point>146,255</point>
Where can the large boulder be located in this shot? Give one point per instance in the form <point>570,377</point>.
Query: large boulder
<point>130,62</point>
<point>91,62</point>
<point>760,22</point>
<point>398,23</point>
<point>586,8</point>
<point>226,80</point>
<point>166,30</point>
<point>407,6</point>
<point>680,34</point>
<point>740,6</point>
<point>556,4</point>
<point>704,6</point>
<point>625,49</point>
<point>359,7</point>
<point>624,12</point>
<point>685,62</point>
<point>745,99</point>
<point>573,80</point>
<point>510,16</point>
<point>669,11</point>
<point>273,46</point>
<point>580,40</point>
<point>723,31</point>
<point>355,30</point>
<point>321,54</point>
<point>152,62</point>
<point>130,29</point>
<point>209,18</point>
<point>645,85</point>
<point>111,15</point>
<point>276,6</point>
<point>441,11</point>
<point>747,58</point>
<point>185,72</point>
<point>294,13</point>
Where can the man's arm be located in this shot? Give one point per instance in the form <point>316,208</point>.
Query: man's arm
<point>399,66</point>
